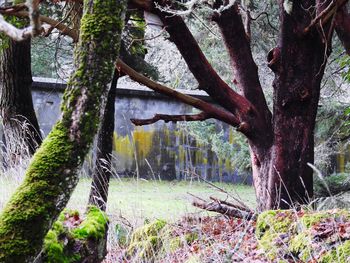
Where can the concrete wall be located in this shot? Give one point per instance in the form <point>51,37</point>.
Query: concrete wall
<point>152,151</point>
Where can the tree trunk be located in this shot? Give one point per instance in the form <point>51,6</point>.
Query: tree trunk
<point>21,128</point>
<point>102,169</point>
<point>51,176</point>
<point>283,178</point>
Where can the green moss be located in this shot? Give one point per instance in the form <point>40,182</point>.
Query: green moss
<point>286,235</point>
<point>300,245</point>
<point>94,226</point>
<point>191,237</point>
<point>146,241</point>
<point>275,221</point>
<point>341,254</point>
<point>36,196</point>
<point>122,235</point>
<point>175,243</point>
<point>310,219</point>
<point>60,240</point>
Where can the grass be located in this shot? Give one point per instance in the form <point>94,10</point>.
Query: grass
<point>138,200</point>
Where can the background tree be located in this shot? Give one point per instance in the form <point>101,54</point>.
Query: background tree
<point>133,51</point>
<point>20,125</point>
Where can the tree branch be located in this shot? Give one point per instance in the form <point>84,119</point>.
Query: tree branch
<point>342,27</point>
<point>244,68</point>
<point>173,118</point>
<point>21,34</point>
<point>324,16</point>
<point>208,79</point>
<point>201,69</point>
<point>206,107</point>
<point>65,30</point>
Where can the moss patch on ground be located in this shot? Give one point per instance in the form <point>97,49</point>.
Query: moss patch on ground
<point>151,241</point>
<point>305,236</point>
<point>72,239</point>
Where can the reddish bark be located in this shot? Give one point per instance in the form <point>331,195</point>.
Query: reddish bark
<point>343,28</point>
<point>208,79</point>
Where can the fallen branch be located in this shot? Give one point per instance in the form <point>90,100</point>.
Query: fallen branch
<point>224,209</point>
<point>224,202</point>
<point>206,107</point>
<point>173,118</point>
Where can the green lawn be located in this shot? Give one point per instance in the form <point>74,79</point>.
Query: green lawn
<point>137,200</point>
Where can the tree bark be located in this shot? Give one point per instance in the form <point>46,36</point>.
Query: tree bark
<point>51,176</point>
<point>342,27</point>
<point>21,128</point>
<point>102,168</point>
<point>298,73</point>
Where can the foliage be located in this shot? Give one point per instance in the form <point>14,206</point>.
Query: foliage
<point>331,185</point>
<point>331,133</point>
<point>231,146</point>
<point>345,65</point>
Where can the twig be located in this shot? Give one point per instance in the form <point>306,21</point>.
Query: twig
<point>325,15</point>
<point>224,191</point>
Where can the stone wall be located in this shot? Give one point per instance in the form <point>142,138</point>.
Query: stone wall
<point>161,150</point>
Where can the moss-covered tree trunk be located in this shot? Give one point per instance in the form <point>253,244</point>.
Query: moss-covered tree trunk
<point>51,176</point>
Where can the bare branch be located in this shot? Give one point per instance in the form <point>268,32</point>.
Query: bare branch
<point>171,118</point>
<point>21,34</point>
<point>245,70</point>
<point>206,107</point>
<point>324,16</point>
<point>13,32</point>
<point>65,30</point>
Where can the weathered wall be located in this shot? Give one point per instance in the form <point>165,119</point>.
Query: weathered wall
<point>153,151</point>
